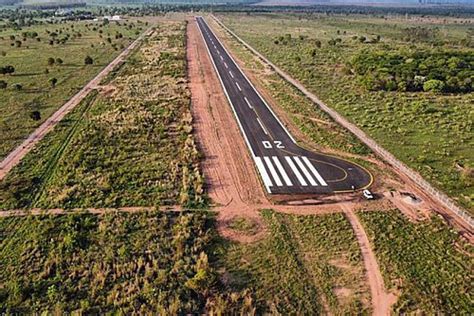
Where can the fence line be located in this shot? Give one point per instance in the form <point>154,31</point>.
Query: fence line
<point>437,195</point>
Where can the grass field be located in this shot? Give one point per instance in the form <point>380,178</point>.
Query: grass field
<point>431,132</point>
<point>306,265</point>
<point>144,263</point>
<point>132,147</point>
<point>71,43</point>
<point>427,263</point>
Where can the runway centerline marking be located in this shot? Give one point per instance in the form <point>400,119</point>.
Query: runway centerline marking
<point>314,171</point>
<point>238,87</point>
<point>225,64</point>
<point>305,171</point>
<point>296,171</point>
<point>273,171</point>
<point>222,58</point>
<point>231,74</point>
<point>261,125</point>
<point>282,171</point>
<point>248,103</point>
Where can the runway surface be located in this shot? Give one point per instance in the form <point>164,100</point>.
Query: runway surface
<point>284,167</point>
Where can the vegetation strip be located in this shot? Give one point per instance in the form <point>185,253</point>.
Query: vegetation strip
<point>16,155</point>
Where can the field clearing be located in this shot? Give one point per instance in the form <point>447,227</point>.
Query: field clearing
<point>430,132</point>
<point>133,147</point>
<point>30,87</point>
<point>306,265</point>
<point>427,263</point>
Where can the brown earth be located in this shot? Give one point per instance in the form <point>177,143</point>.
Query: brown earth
<point>232,181</point>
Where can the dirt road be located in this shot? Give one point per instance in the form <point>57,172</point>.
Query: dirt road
<point>381,299</point>
<point>18,153</point>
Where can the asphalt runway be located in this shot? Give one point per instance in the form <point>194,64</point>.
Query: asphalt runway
<point>284,167</point>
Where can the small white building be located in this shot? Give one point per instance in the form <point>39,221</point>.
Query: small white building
<point>112,17</point>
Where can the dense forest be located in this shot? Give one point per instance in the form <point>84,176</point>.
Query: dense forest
<point>439,71</point>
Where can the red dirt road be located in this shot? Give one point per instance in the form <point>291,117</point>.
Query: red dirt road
<point>18,153</point>
<point>381,299</point>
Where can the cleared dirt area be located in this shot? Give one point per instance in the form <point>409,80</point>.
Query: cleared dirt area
<point>232,181</point>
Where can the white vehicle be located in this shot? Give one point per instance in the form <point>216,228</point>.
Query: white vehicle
<point>368,195</point>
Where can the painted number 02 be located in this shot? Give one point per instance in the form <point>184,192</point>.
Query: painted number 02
<point>268,145</point>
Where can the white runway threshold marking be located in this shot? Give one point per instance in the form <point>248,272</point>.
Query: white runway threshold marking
<point>305,171</point>
<point>314,171</point>
<point>273,171</point>
<point>296,171</point>
<point>282,171</point>
<point>261,125</point>
<point>261,168</point>
<point>238,87</point>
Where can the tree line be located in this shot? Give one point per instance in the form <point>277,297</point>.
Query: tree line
<point>447,71</point>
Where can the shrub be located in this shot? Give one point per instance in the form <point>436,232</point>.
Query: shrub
<point>88,60</point>
<point>53,81</point>
<point>9,69</point>
<point>35,115</point>
<point>3,84</point>
<point>433,85</point>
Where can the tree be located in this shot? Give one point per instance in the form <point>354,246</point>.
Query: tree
<point>35,115</point>
<point>318,43</point>
<point>50,61</point>
<point>3,84</point>
<point>53,82</point>
<point>18,43</point>
<point>17,86</point>
<point>59,61</point>
<point>88,60</point>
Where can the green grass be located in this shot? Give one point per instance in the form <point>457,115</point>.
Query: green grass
<point>244,225</point>
<point>132,148</point>
<point>428,263</point>
<point>114,263</point>
<point>30,62</point>
<point>25,182</point>
<point>299,267</point>
<point>437,143</point>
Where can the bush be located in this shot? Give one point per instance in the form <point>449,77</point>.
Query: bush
<point>3,84</point>
<point>53,82</point>
<point>35,115</point>
<point>88,60</point>
<point>9,69</point>
<point>434,85</point>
